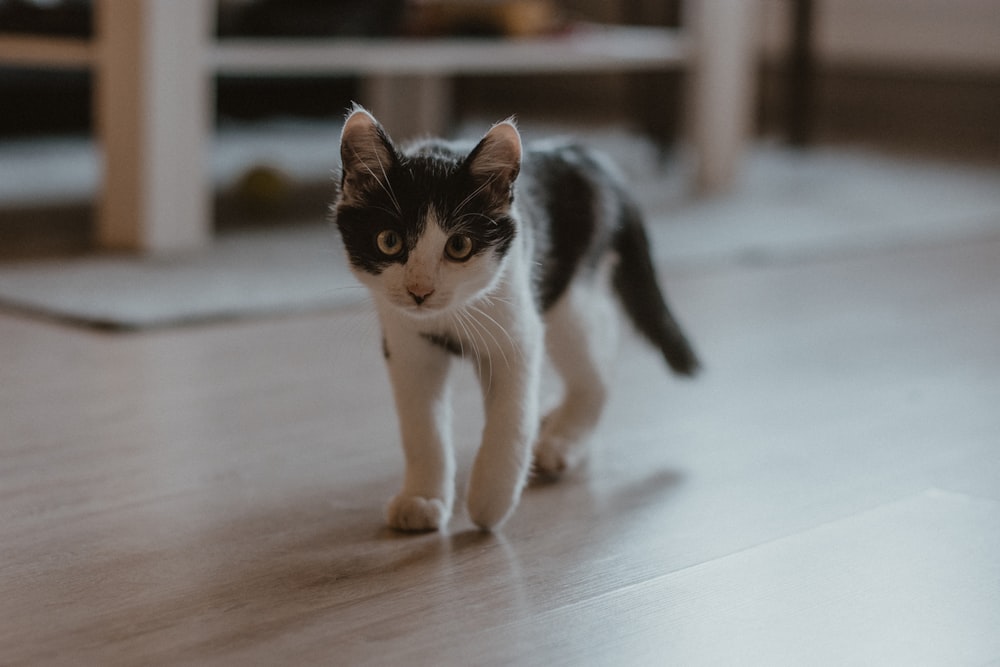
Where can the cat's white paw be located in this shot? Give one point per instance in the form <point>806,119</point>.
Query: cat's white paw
<point>488,511</point>
<point>417,513</point>
<point>555,456</point>
<point>549,463</point>
<point>547,459</point>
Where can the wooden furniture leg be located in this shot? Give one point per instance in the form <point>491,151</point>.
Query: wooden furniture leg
<point>410,105</point>
<point>721,91</point>
<point>801,69</point>
<point>153,103</point>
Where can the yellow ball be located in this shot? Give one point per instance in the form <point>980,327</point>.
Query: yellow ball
<point>263,185</point>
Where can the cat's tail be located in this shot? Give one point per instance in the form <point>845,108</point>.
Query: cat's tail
<point>634,280</point>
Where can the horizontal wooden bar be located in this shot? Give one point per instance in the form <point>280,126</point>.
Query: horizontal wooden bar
<point>589,50</point>
<point>43,51</point>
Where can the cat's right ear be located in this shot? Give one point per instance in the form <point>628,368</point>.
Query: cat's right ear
<point>366,155</point>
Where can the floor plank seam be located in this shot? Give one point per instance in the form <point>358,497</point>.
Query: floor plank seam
<point>789,536</point>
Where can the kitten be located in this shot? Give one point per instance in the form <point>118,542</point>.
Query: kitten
<point>497,254</point>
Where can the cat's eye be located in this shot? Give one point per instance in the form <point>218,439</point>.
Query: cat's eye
<point>459,247</point>
<point>389,243</point>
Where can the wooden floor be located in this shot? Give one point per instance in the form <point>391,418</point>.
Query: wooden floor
<point>828,493</point>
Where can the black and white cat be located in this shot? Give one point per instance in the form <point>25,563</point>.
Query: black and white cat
<point>498,254</point>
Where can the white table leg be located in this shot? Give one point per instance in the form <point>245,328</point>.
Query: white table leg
<point>722,87</point>
<point>153,103</point>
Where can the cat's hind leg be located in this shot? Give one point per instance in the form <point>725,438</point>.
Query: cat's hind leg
<point>581,341</point>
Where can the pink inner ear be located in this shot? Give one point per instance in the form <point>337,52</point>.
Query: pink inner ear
<point>364,149</point>
<point>499,152</point>
<point>360,123</point>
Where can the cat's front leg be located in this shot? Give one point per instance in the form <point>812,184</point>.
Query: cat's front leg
<point>511,395</point>
<point>419,374</point>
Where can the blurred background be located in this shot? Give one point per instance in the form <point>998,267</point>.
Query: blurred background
<point>917,81</point>
<point>900,74</point>
<point>189,478</point>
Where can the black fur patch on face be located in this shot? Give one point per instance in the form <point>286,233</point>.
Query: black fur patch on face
<point>360,226</point>
<point>466,207</point>
<point>431,178</point>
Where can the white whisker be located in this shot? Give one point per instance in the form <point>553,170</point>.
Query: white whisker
<point>474,193</point>
<point>486,329</point>
<point>469,325</point>
<point>490,220</point>
<point>386,186</point>
<point>461,344</point>
<point>499,326</point>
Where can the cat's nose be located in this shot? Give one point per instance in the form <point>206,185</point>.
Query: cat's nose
<point>420,295</point>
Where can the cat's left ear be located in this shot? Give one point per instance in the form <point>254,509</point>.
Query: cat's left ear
<point>496,160</point>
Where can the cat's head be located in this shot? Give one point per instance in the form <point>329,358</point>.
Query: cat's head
<point>427,228</point>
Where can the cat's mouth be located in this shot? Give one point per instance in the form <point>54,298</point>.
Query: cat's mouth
<point>425,307</point>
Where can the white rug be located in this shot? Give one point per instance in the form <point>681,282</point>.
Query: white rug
<point>790,207</point>
<point>292,269</point>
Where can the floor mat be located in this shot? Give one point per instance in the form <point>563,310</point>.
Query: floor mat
<point>789,206</point>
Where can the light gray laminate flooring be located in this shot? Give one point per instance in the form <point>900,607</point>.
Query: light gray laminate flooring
<point>827,493</point>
